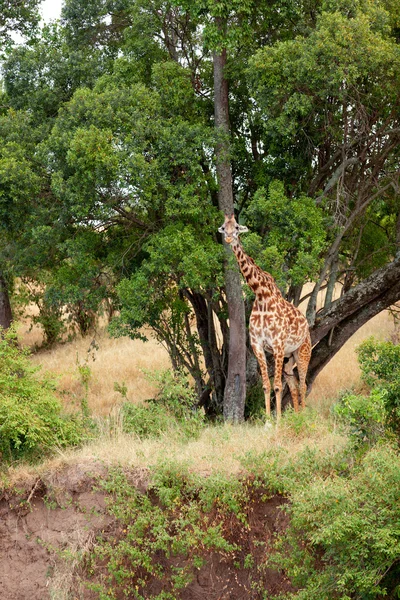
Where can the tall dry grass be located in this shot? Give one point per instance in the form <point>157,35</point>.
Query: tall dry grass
<point>125,361</point>
<point>217,449</point>
<point>343,371</point>
<point>110,360</point>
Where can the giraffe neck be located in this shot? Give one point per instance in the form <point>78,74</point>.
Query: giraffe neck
<point>262,283</point>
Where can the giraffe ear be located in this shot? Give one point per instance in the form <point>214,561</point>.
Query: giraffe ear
<point>242,229</point>
<point>221,229</point>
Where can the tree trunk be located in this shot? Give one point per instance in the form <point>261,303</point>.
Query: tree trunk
<point>330,288</point>
<point>212,397</point>
<point>235,388</point>
<point>5,306</point>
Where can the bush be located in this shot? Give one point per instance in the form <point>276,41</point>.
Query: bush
<point>380,367</point>
<point>31,419</point>
<point>370,417</point>
<point>145,420</point>
<point>364,415</point>
<point>343,539</point>
<point>173,408</point>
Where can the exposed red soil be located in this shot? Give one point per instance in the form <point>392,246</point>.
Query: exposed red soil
<point>222,579</point>
<point>39,521</point>
<point>47,517</point>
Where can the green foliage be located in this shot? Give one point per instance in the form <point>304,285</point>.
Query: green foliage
<point>364,415</point>
<point>43,75</point>
<point>380,367</point>
<point>152,296</point>
<point>49,315</point>
<point>18,17</point>
<point>293,235</point>
<point>343,535</point>
<point>154,529</point>
<point>174,410</point>
<point>31,419</point>
<point>337,41</point>
<point>373,416</point>
<point>284,473</point>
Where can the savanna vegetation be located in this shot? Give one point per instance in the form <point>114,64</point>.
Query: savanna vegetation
<point>128,127</point>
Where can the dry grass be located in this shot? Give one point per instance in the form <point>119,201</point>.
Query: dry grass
<point>218,449</point>
<point>127,361</point>
<point>114,361</point>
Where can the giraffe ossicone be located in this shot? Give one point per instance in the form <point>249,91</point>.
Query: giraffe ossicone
<point>275,326</point>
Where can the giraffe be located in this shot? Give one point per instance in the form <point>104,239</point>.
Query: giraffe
<point>275,326</point>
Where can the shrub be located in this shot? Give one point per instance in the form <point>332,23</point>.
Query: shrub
<point>173,408</point>
<point>364,415</point>
<point>373,416</point>
<point>31,419</point>
<point>145,420</point>
<point>380,367</point>
<point>344,540</point>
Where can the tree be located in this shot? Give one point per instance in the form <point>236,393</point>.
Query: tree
<point>146,191</point>
<point>137,151</point>
<point>19,182</point>
<point>18,16</point>
<point>15,17</point>
<point>333,124</point>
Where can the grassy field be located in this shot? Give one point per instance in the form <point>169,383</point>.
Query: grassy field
<point>125,361</point>
<point>128,361</point>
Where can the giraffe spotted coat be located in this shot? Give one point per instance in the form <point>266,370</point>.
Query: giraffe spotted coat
<point>275,325</point>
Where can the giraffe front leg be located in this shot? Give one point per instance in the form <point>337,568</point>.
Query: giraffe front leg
<point>259,353</point>
<point>278,356</point>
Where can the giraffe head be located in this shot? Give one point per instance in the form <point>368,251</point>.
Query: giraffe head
<point>231,230</point>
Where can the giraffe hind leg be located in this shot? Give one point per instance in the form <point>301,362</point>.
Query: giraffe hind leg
<point>302,356</point>
<point>260,356</point>
<point>292,382</point>
<point>278,356</point>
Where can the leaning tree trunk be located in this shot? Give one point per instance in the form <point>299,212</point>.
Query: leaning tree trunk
<point>235,387</point>
<point>336,324</point>
<point>5,306</point>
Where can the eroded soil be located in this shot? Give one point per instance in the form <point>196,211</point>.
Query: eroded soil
<point>45,523</point>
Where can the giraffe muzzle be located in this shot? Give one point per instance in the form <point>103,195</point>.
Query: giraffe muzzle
<point>228,240</point>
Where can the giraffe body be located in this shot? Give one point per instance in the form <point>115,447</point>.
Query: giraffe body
<point>275,326</point>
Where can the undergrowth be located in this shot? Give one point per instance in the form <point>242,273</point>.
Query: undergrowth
<point>174,409</point>
<point>162,537</point>
<point>32,421</point>
<point>341,539</point>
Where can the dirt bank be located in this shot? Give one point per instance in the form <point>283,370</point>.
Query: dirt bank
<point>48,523</point>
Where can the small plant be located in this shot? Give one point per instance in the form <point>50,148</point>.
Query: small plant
<point>173,409</point>
<point>122,389</point>
<point>146,420</point>
<point>380,367</point>
<point>365,416</point>
<point>85,376</point>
